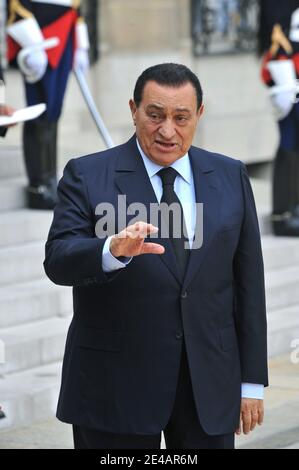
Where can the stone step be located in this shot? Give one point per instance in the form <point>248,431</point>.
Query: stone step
<point>22,263</point>
<point>262,189</point>
<point>280,252</point>
<point>33,301</point>
<point>35,225</point>
<point>29,396</point>
<point>33,344</point>
<point>282,288</point>
<point>11,162</point>
<point>12,194</point>
<point>24,226</point>
<point>283,329</point>
<point>280,429</point>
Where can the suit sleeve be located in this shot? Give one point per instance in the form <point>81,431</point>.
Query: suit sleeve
<point>73,252</point>
<point>249,290</point>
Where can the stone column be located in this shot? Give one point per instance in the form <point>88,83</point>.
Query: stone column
<point>137,25</point>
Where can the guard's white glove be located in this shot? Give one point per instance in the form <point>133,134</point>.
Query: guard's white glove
<point>283,103</point>
<point>27,34</point>
<point>81,60</point>
<point>36,65</point>
<point>283,93</point>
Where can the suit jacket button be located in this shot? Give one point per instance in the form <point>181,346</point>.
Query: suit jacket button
<point>179,335</point>
<point>184,295</point>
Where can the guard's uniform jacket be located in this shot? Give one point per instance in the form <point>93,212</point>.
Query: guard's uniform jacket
<point>279,46</point>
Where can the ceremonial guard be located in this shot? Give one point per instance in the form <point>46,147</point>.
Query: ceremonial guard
<point>46,72</point>
<point>279,44</point>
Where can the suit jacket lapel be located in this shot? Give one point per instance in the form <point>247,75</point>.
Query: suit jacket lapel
<point>133,181</point>
<point>207,191</point>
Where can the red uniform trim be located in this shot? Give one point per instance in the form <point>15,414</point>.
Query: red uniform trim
<point>296,62</point>
<point>265,74</point>
<point>12,49</point>
<point>60,28</point>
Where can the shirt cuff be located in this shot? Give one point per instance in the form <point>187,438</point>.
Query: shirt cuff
<point>253,391</point>
<point>109,262</point>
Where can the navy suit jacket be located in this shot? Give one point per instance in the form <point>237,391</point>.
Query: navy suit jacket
<point>123,347</point>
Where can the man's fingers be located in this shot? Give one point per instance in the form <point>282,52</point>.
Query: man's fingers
<point>9,111</point>
<point>131,241</point>
<point>252,413</point>
<point>246,419</point>
<point>6,110</point>
<point>153,248</point>
<point>261,416</point>
<point>239,429</point>
<point>254,420</point>
<point>141,230</point>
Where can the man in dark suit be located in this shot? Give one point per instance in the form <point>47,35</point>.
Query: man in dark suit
<point>168,333</point>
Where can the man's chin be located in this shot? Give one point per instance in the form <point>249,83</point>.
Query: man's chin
<point>164,156</point>
<point>165,160</point>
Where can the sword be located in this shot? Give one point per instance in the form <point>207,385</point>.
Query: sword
<point>92,108</point>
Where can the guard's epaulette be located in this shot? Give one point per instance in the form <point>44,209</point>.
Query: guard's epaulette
<point>17,11</point>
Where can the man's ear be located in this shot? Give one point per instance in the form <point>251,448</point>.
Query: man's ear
<point>133,109</point>
<point>200,111</point>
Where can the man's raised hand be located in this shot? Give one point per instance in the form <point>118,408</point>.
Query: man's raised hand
<point>131,241</point>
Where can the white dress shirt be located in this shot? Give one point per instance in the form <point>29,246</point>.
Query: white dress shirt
<point>185,190</point>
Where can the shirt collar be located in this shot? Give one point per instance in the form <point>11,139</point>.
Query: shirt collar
<point>182,165</point>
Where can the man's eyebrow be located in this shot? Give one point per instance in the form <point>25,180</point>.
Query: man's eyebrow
<point>183,110</point>
<point>156,106</point>
<point>161,108</point>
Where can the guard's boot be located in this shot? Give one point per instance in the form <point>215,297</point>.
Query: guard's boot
<point>284,219</point>
<point>40,139</point>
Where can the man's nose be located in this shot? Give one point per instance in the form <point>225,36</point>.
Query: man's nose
<point>167,130</point>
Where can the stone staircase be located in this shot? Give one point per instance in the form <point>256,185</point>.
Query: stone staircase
<point>34,313</point>
<point>281,257</point>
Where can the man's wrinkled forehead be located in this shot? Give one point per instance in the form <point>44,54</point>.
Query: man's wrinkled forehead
<point>160,107</point>
<point>181,97</point>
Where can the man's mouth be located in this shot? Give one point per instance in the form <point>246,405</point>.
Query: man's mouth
<point>166,145</point>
